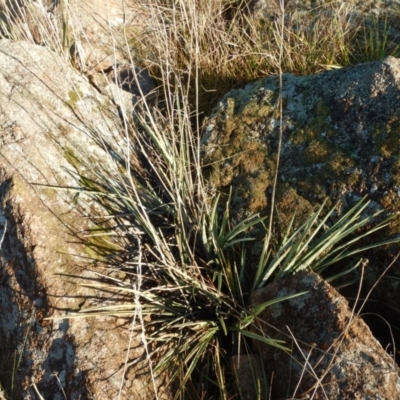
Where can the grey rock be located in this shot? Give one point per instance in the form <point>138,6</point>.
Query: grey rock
<point>341,141</point>
<point>131,79</point>
<point>50,115</point>
<point>250,376</point>
<point>340,138</point>
<point>333,353</point>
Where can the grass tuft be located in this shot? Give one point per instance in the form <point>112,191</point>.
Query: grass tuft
<point>188,271</point>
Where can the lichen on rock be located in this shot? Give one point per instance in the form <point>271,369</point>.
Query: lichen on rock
<point>340,137</point>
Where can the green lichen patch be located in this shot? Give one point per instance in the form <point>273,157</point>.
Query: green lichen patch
<point>73,98</point>
<point>290,203</point>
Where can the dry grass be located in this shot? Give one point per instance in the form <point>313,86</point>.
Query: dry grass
<point>231,46</point>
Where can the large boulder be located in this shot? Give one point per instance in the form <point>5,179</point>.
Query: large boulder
<point>333,353</point>
<point>340,140</point>
<point>340,137</point>
<point>50,117</point>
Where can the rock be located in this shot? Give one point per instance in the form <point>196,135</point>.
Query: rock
<point>99,49</point>
<point>256,6</point>
<point>132,79</point>
<point>48,113</point>
<point>339,136</point>
<point>93,39</point>
<point>334,354</point>
<point>126,85</point>
<point>98,27</point>
<point>341,140</point>
<point>250,377</point>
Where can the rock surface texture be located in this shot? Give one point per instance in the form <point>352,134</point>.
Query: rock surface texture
<point>98,48</point>
<point>340,137</point>
<point>334,354</point>
<point>94,40</point>
<point>47,114</point>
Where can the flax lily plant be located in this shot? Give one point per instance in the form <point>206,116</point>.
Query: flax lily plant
<point>186,272</point>
<point>186,266</point>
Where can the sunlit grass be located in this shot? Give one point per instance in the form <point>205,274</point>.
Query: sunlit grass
<point>235,48</point>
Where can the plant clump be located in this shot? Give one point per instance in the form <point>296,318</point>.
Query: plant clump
<point>184,256</point>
